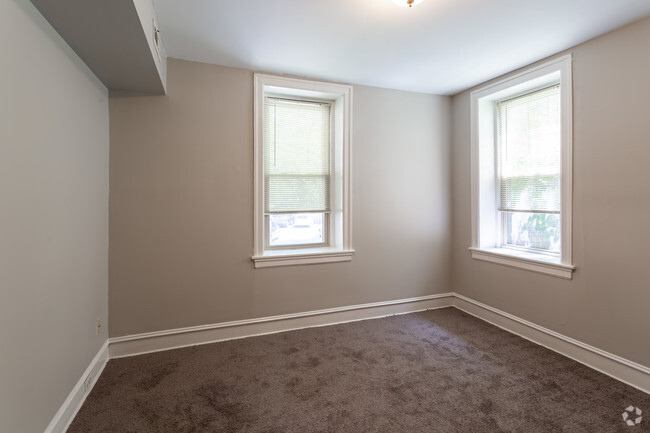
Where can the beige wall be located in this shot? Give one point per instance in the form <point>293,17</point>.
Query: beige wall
<point>607,302</point>
<point>53,218</point>
<point>181,206</point>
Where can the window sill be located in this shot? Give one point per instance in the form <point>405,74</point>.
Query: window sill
<point>524,260</point>
<point>301,257</point>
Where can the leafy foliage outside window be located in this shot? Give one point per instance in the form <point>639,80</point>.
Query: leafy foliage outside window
<point>533,230</point>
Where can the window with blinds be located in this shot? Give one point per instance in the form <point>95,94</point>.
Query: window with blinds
<point>297,171</point>
<point>529,169</point>
<point>521,164</point>
<point>529,152</point>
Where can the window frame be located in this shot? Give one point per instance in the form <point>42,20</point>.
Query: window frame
<point>487,221</point>
<point>338,248</point>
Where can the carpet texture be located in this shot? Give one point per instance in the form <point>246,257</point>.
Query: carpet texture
<point>436,371</point>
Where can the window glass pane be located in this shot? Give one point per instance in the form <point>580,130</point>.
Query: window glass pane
<point>296,156</point>
<point>530,152</point>
<point>532,230</point>
<point>296,229</point>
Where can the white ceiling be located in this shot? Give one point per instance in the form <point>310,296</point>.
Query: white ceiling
<point>439,46</point>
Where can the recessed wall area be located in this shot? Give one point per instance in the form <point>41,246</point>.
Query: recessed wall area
<point>181,208</point>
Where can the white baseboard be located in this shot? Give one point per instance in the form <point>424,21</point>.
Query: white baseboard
<point>164,340</point>
<point>626,371</point>
<point>72,404</point>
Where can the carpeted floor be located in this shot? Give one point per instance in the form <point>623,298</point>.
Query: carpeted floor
<point>436,371</point>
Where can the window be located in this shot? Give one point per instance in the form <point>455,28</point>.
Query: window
<point>521,169</point>
<point>297,172</point>
<point>529,154</point>
<point>302,172</point>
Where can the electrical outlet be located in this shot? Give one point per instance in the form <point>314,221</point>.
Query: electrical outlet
<point>87,383</point>
<point>99,326</point>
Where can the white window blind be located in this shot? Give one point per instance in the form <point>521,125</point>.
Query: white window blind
<point>529,136</point>
<point>296,156</point>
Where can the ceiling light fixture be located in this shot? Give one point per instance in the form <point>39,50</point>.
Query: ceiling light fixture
<point>407,3</point>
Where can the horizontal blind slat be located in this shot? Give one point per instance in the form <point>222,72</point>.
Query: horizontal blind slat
<point>296,156</point>
<point>530,152</point>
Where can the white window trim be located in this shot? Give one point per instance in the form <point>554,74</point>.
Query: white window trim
<point>340,248</point>
<point>486,239</point>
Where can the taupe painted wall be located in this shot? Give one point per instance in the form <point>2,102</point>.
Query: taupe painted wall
<point>181,206</point>
<point>607,304</point>
<point>53,218</point>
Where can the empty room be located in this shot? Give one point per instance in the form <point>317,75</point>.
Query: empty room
<point>324,216</point>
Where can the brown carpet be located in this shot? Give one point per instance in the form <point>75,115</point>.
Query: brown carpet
<point>436,371</point>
